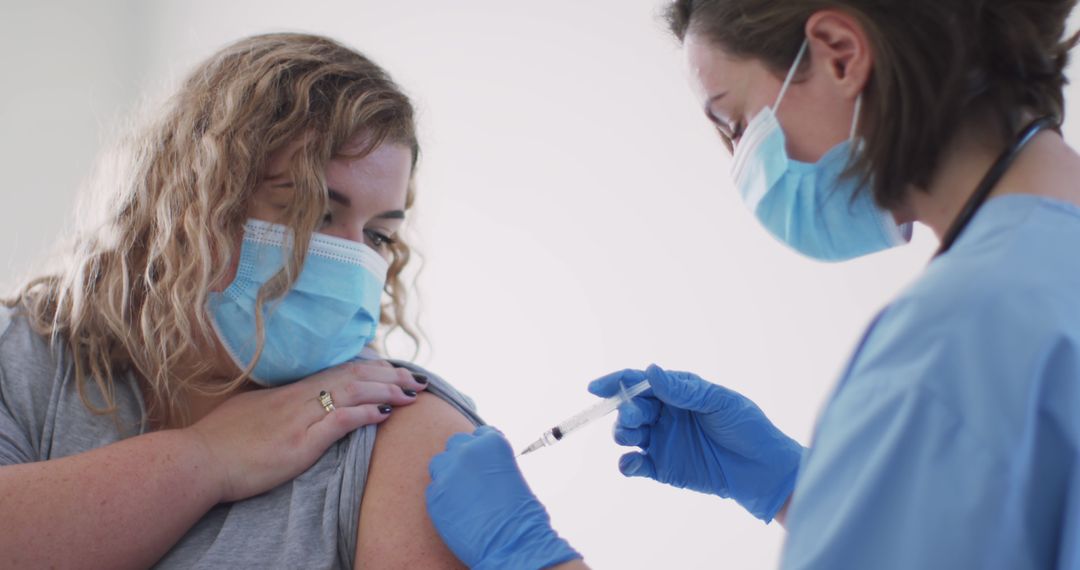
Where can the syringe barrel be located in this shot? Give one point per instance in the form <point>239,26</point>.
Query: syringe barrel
<point>552,435</point>
<point>599,410</point>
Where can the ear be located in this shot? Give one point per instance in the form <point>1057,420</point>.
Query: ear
<point>838,39</point>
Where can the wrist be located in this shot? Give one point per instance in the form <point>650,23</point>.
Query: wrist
<point>781,515</point>
<point>205,461</point>
<point>545,553</point>
<point>533,545</point>
<point>780,500</point>
<point>787,472</point>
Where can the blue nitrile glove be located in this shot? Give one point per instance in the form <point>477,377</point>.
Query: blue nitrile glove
<point>484,510</point>
<point>701,436</point>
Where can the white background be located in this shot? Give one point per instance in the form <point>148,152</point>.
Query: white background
<point>574,212</point>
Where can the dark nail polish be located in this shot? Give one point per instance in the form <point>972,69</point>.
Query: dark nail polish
<point>409,393</point>
<point>385,408</point>
<point>422,379</point>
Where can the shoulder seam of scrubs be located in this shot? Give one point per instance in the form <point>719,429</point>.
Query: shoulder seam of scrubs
<point>1056,204</point>
<point>977,308</point>
<point>1006,251</point>
<point>926,393</point>
<point>990,303</point>
<point>884,392</point>
<point>1002,475</point>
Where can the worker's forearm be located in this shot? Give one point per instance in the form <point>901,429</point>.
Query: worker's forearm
<point>120,506</point>
<point>781,517</point>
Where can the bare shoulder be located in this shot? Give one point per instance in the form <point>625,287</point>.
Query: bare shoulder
<point>394,529</point>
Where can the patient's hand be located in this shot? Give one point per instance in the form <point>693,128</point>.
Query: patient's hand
<point>257,440</point>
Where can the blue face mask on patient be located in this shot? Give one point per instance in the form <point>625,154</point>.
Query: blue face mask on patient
<point>328,317</point>
<point>812,208</point>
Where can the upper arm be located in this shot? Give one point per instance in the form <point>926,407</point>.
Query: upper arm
<point>394,530</point>
<point>894,482</point>
<point>911,462</point>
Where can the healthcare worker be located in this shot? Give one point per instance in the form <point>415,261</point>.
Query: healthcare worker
<point>951,440</point>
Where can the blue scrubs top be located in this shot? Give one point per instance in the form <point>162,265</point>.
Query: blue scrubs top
<point>953,438</point>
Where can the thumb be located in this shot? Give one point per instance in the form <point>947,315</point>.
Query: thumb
<point>488,429</point>
<point>635,464</point>
<point>685,390</point>
<point>457,440</point>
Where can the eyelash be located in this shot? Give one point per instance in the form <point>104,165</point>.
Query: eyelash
<point>731,140</point>
<point>738,132</point>
<point>380,240</point>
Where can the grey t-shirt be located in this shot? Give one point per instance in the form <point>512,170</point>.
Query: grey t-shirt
<point>309,522</point>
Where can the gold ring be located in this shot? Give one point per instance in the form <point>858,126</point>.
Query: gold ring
<point>326,401</point>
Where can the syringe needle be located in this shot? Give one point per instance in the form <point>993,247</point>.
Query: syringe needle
<point>532,447</point>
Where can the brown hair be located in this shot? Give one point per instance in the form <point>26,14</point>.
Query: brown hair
<point>938,64</point>
<point>131,293</point>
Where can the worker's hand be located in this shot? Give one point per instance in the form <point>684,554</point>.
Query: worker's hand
<point>259,439</point>
<point>697,435</point>
<point>484,510</point>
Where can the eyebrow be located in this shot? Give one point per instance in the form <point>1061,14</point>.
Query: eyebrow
<point>392,215</point>
<point>345,201</point>
<point>331,193</point>
<point>339,197</point>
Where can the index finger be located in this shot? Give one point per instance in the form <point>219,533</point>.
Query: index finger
<point>610,385</point>
<point>372,371</point>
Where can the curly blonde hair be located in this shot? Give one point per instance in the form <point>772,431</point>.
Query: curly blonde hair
<point>131,293</point>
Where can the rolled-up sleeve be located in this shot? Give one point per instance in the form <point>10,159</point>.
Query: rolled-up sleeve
<point>15,446</point>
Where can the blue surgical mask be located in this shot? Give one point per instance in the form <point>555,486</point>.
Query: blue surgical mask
<point>812,208</point>
<point>327,318</point>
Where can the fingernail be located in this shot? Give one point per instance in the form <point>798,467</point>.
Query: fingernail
<point>421,378</point>
<point>385,408</point>
<point>409,393</point>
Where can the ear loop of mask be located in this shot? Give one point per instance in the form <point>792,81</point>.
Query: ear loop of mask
<point>791,77</point>
<point>855,119</point>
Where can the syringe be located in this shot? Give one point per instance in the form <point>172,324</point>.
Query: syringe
<point>597,411</point>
